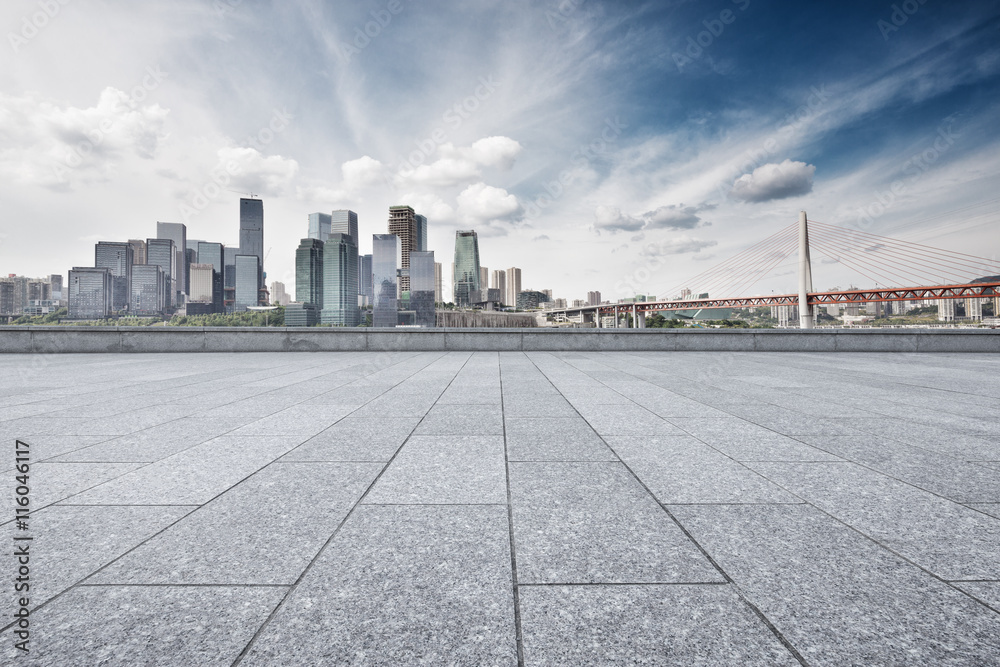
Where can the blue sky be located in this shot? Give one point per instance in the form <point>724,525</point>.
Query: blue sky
<point>618,146</point>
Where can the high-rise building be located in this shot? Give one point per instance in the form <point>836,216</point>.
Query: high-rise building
<point>176,232</point>
<point>484,282</point>
<point>7,298</point>
<point>214,254</point>
<point>278,294</point>
<point>247,282</point>
<point>593,298</point>
<point>365,289</point>
<point>202,286</point>
<point>149,290</point>
<point>56,281</point>
<point>90,293</point>
<point>138,251</point>
<point>500,283</point>
<point>163,253</point>
<point>422,288</point>
<point>118,258</point>
<point>513,286</point>
<point>438,292</point>
<point>421,243</point>
<point>345,222</point>
<point>229,277</point>
<point>403,223</point>
<point>309,272</point>
<point>252,235</point>
<point>467,274</point>
<point>385,262</point>
<point>319,226</point>
<point>340,281</point>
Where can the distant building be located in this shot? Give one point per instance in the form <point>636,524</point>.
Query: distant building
<point>201,288</point>
<point>340,281</point>
<point>309,272</point>
<point>90,293</point>
<point>484,282</point>
<point>403,223</point>
<point>421,243</point>
<point>946,310</point>
<point>385,258</point>
<point>229,277</point>
<point>319,226</point>
<point>467,268</point>
<point>163,253</point>
<point>345,222</point>
<point>176,232</point>
<point>579,303</point>
<point>138,251</point>
<point>278,294</point>
<point>530,299</point>
<point>513,286</point>
<point>149,290</point>
<point>974,308</point>
<point>252,238</point>
<point>438,291</point>
<point>365,289</point>
<point>301,314</point>
<point>247,282</point>
<point>118,257</point>
<point>422,288</point>
<point>593,298</point>
<point>7,298</point>
<point>215,254</point>
<point>500,282</point>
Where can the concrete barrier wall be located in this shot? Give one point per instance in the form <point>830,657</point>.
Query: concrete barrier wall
<point>53,340</point>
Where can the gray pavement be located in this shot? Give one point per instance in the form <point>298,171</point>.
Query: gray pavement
<point>540,508</point>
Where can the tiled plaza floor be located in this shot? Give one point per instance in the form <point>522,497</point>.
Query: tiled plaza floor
<point>397,508</point>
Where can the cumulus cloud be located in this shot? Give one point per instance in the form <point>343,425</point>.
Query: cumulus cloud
<point>271,175</point>
<point>611,219</point>
<point>481,205</point>
<point>680,245</point>
<point>363,172</point>
<point>457,165</point>
<point>774,181</point>
<point>42,143</point>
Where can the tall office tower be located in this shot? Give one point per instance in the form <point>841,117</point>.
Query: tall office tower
<point>278,294</point>
<point>229,277</point>
<point>6,296</point>
<point>138,251</point>
<point>56,280</point>
<point>118,258</point>
<point>252,234</point>
<point>500,283</point>
<point>90,293</point>
<point>467,285</point>
<point>148,290</point>
<point>247,282</point>
<point>345,222</point>
<point>385,261</point>
<point>484,281</point>
<point>309,272</point>
<point>421,243</point>
<point>403,223</point>
<point>340,282</point>
<point>422,288</point>
<point>365,278</point>
<point>176,232</point>
<point>319,226</point>
<point>438,292</point>
<point>593,298</point>
<point>513,286</point>
<point>163,253</point>
<point>202,286</point>
<point>214,254</point>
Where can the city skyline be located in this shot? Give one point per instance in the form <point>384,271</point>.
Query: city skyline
<point>877,121</point>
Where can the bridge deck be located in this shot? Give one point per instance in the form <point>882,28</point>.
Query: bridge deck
<point>470,508</point>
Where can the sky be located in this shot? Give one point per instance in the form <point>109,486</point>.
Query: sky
<point>614,146</point>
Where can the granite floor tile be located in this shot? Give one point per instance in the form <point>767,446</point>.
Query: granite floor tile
<point>745,441</point>
<point>53,481</point>
<point>554,439</point>
<point>594,523</point>
<point>987,592</point>
<point>625,420</point>
<point>462,420</point>
<point>993,509</point>
<point>356,439</point>
<point>402,585</point>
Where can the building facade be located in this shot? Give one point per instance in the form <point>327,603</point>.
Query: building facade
<point>247,282</point>
<point>176,232</point>
<point>385,262</point>
<point>421,243</point>
<point>149,291</point>
<point>438,291</point>
<point>90,293</point>
<point>365,289</point>
<point>513,286</point>
<point>309,272</point>
<point>422,288</point>
<point>500,283</point>
<point>403,223</point>
<point>117,257</point>
<point>278,294</point>
<point>252,235</point>
<point>340,282</point>
<point>163,253</point>
<point>319,226</point>
<point>138,251</point>
<point>467,269</point>
<point>202,285</point>
<point>345,222</point>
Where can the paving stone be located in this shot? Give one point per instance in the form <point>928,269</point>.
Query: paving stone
<point>53,481</point>
<point>462,420</point>
<point>554,439</point>
<point>628,419</point>
<point>745,441</point>
<point>649,625</point>
<point>142,625</point>
<point>265,530</point>
<point>835,595</point>
<point>593,522</point>
<point>402,585</point>
<point>987,592</point>
<point>356,439</point>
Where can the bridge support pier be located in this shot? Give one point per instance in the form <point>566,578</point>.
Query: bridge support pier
<point>806,319</point>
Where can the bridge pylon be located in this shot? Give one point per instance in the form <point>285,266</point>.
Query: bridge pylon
<point>806,317</point>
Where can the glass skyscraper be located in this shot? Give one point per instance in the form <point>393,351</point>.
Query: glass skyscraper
<point>340,282</point>
<point>148,290</point>
<point>422,288</point>
<point>214,254</point>
<point>163,253</point>
<point>118,257</point>
<point>90,293</point>
<point>345,222</point>
<point>385,261</point>
<point>319,226</point>
<point>421,244</point>
<point>176,232</point>
<point>247,282</point>
<point>365,278</point>
<point>252,234</point>
<point>467,285</point>
<point>309,272</point>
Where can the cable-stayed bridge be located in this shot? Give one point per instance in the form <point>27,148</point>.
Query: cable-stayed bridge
<point>900,270</point>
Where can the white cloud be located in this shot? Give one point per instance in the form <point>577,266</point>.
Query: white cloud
<point>611,219</point>
<point>271,175</point>
<point>481,205</point>
<point>775,181</point>
<point>458,165</point>
<point>680,245</point>
<point>362,172</point>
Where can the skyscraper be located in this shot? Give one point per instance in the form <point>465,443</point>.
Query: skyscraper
<point>138,251</point>
<point>385,261</point>
<point>252,234</point>
<point>229,277</point>
<point>513,286</point>
<point>278,294</point>
<point>214,254</point>
<point>467,285</point>
<point>247,282</point>
<point>365,278</point>
<point>176,232</point>
<point>319,226</point>
<point>90,293</point>
<point>422,287</point>
<point>593,298</point>
<point>421,243</point>
<point>345,222</point>
<point>149,288</point>
<point>403,223</point>
<point>438,292</point>
<point>163,253</point>
<point>309,272</point>
<point>118,258</point>
<point>340,281</point>
<point>500,283</point>
<point>484,282</point>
